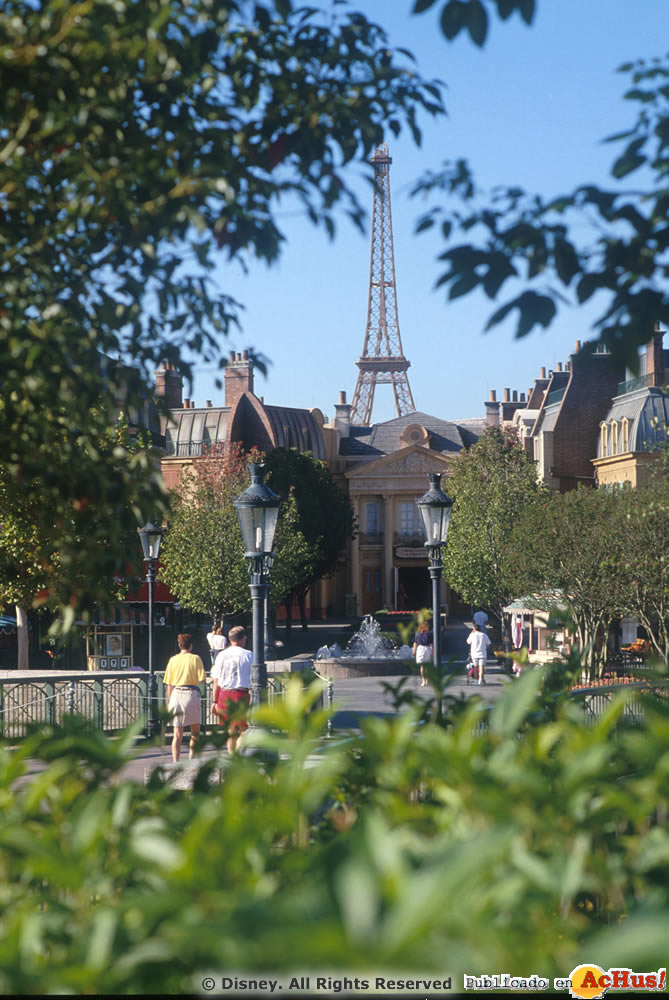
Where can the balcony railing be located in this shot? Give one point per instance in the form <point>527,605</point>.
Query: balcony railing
<point>370,537</point>
<point>185,449</point>
<point>632,384</point>
<point>415,538</point>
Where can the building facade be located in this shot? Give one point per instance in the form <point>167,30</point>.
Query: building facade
<point>636,424</point>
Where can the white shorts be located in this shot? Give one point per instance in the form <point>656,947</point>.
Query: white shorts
<point>478,661</point>
<point>185,707</point>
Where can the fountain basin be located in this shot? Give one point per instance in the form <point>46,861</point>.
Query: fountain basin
<point>345,668</point>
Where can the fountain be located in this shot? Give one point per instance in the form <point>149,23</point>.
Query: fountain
<point>368,654</point>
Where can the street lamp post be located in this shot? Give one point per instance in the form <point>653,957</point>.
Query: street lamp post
<point>435,509</point>
<point>151,536</point>
<point>268,640</point>
<point>258,511</point>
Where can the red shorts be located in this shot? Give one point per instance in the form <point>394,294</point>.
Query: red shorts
<point>236,695</point>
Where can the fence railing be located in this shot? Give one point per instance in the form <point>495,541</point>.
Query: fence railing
<point>114,700</point>
<point>110,700</point>
<point>597,700</point>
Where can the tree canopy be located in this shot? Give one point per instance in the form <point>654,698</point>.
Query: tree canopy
<point>568,548</point>
<point>644,562</point>
<point>36,569</point>
<point>605,243</point>
<point>325,512</point>
<point>492,483</point>
<point>138,141</point>
<point>202,557</point>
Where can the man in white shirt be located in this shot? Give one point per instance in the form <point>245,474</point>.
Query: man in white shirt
<point>480,619</point>
<point>479,642</point>
<point>231,674</point>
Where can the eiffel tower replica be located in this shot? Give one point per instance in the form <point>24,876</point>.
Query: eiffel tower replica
<point>382,360</point>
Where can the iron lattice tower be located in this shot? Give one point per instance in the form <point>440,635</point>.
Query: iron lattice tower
<point>382,360</point>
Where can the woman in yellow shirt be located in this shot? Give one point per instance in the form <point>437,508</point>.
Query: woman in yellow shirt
<point>183,673</point>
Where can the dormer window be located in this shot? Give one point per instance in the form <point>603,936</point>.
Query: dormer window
<point>604,448</point>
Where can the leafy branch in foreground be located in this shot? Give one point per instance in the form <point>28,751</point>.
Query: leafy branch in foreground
<point>535,844</point>
<point>515,240</point>
<point>140,142</point>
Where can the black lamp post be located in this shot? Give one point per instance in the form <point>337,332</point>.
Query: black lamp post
<point>268,640</point>
<point>258,511</point>
<point>435,509</point>
<point>151,536</point>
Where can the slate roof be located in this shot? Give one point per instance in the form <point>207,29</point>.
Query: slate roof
<point>385,438</point>
<point>294,428</point>
<point>648,413</point>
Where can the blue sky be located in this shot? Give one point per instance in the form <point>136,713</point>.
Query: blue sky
<point>531,109</point>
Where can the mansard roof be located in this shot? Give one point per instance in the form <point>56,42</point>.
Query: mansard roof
<point>376,440</point>
<point>296,428</point>
<point>647,411</point>
<point>191,430</point>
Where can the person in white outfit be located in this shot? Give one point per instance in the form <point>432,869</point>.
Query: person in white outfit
<point>231,674</point>
<point>480,619</point>
<point>216,641</point>
<point>478,643</point>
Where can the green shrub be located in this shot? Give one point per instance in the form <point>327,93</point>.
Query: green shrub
<point>519,839</point>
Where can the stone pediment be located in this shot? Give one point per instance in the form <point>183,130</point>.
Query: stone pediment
<point>409,461</point>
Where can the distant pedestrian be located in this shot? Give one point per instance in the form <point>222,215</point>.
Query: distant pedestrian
<point>231,674</point>
<point>183,673</point>
<point>216,642</point>
<point>480,618</point>
<point>422,649</point>
<point>478,643</point>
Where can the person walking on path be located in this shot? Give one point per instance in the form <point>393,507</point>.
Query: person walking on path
<point>216,641</point>
<point>478,647</point>
<point>480,618</point>
<point>182,675</point>
<point>231,674</point>
<point>421,650</point>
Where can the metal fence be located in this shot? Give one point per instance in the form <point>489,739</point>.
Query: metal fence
<point>113,700</point>
<point>110,700</point>
<point>596,701</point>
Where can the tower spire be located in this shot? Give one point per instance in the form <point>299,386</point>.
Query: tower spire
<point>382,360</point>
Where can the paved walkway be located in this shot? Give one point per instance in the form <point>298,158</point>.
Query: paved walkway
<point>353,698</point>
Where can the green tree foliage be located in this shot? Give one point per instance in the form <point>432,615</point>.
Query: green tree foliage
<point>472,16</point>
<point>492,483</point>
<point>520,845</point>
<point>571,547</point>
<point>644,561</point>
<point>202,556</point>
<point>137,138</point>
<point>36,569</point>
<point>326,516</point>
<point>294,556</point>
<point>612,243</point>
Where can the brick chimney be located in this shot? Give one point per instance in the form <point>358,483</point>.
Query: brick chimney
<point>238,376</point>
<point>492,409</point>
<point>343,415</point>
<point>169,385</point>
<point>655,374</point>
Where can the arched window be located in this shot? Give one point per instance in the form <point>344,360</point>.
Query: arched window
<point>625,444</point>
<point>614,437</point>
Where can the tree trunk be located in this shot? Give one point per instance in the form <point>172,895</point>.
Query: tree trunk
<point>302,601</point>
<point>23,662</point>
<point>288,605</point>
